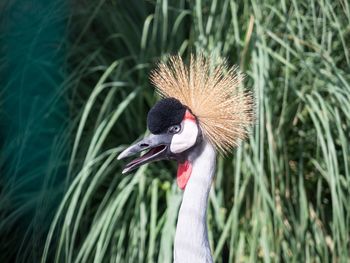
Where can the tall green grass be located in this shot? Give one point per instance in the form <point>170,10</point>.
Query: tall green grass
<point>283,196</point>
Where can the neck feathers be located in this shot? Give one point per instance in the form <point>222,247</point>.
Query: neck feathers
<point>191,238</point>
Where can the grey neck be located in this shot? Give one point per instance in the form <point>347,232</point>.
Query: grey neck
<point>191,238</point>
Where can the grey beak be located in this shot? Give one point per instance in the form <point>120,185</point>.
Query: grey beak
<point>157,146</point>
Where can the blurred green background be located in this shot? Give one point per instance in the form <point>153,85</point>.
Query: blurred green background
<point>75,91</point>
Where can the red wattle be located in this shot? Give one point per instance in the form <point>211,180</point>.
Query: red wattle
<point>183,174</point>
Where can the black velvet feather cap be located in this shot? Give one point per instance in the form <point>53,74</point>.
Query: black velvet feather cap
<point>164,114</point>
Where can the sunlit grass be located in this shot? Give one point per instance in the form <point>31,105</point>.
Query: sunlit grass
<point>283,196</point>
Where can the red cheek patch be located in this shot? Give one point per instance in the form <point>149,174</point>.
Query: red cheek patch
<point>189,116</point>
<point>183,174</point>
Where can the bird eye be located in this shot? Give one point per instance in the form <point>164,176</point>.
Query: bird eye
<point>174,129</point>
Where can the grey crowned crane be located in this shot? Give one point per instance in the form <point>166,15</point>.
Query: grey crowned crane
<point>204,110</point>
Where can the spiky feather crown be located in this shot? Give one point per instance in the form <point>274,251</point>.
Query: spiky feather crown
<point>212,93</point>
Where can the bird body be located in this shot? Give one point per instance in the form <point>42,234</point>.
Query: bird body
<point>191,238</point>
<point>203,112</point>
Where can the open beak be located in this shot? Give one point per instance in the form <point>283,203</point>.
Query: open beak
<point>157,147</point>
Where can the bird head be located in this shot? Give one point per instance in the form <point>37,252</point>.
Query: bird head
<point>174,133</point>
<point>201,101</point>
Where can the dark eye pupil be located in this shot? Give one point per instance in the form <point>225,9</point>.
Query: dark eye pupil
<point>174,129</point>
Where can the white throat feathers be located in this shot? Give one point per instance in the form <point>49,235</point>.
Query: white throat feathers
<point>191,238</point>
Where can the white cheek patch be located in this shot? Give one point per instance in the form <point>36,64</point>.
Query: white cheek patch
<point>186,138</point>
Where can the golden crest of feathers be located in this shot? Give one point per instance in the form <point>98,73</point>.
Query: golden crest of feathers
<point>213,93</point>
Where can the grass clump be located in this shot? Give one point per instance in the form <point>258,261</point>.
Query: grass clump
<point>283,196</point>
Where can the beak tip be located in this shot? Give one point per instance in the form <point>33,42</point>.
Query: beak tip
<point>121,156</point>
